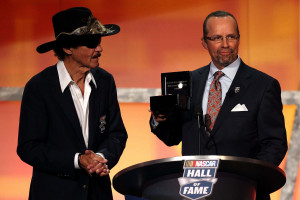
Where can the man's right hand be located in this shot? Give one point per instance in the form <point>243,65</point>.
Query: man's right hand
<point>158,117</point>
<point>93,163</point>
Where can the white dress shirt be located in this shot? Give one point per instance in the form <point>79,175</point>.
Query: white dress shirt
<point>81,101</point>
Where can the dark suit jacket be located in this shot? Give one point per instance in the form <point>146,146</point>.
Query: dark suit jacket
<point>50,135</point>
<point>258,133</point>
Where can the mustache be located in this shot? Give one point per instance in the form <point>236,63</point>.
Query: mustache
<point>97,55</point>
<point>226,50</point>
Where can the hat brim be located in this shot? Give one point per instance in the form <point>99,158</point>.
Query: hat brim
<point>111,29</point>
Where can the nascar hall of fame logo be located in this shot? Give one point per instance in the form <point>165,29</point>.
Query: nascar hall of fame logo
<point>198,178</point>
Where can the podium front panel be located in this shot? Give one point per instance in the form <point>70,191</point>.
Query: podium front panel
<point>237,177</point>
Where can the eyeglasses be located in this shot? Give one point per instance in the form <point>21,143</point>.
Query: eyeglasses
<point>219,38</point>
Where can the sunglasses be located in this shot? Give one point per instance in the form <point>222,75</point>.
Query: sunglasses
<point>91,42</point>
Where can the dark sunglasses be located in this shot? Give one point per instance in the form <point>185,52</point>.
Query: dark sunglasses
<point>91,42</point>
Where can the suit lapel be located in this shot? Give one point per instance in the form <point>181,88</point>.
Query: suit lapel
<point>241,80</point>
<point>92,114</point>
<point>67,106</point>
<point>199,82</point>
<point>95,107</point>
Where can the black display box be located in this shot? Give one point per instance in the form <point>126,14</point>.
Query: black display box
<point>176,92</point>
<point>173,83</point>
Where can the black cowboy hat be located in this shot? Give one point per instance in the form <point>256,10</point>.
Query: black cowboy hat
<point>76,24</point>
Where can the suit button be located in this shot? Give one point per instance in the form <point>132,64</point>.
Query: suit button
<point>85,187</point>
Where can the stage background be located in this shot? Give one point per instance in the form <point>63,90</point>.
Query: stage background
<point>156,36</point>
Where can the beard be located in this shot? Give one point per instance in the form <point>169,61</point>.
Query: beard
<point>225,60</point>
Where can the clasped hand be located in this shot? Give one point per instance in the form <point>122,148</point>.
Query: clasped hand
<point>93,163</point>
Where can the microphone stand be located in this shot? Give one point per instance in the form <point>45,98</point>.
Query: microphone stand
<point>209,133</point>
<point>198,112</point>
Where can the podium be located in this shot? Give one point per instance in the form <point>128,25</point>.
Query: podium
<point>237,178</point>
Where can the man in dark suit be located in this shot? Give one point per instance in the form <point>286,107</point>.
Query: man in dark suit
<point>237,114</point>
<point>71,131</point>
<point>249,122</point>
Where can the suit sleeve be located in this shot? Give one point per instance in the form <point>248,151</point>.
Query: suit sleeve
<point>33,145</point>
<point>271,127</point>
<point>112,147</point>
<point>169,131</point>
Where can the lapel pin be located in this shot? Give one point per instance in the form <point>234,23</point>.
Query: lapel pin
<point>236,90</point>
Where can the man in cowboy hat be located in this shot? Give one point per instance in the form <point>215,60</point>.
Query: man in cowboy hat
<point>71,131</point>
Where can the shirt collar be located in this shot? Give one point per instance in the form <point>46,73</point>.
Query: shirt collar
<point>229,71</point>
<point>65,78</point>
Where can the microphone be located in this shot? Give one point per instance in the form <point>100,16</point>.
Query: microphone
<point>199,113</point>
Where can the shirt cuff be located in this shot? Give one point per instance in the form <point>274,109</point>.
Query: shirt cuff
<point>76,161</point>
<point>154,123</point>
